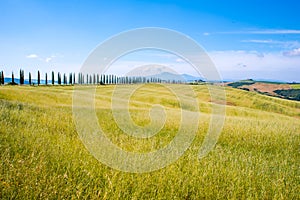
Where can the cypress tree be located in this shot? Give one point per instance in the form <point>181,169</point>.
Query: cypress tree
<point>29,78</point>
<point>102,79</point>
<point>70,78</point>
<point>58,79</point>
<point>46,77</point>
<point>1,78</point>
<point>53,78</point>
<point>12,78</point>
<point>21,78</point>
<point>73,78</point>
<point>39,78</point>
<point>64,80</point>
<point>79,80</point>
<point>107,79</point>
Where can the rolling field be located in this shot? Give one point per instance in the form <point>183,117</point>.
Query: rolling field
<point>295,86</point>
<point>256,157</point>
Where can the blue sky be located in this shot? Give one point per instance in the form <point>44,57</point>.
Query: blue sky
<point>245,39</point>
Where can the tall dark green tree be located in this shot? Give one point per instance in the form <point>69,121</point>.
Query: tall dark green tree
<point>21,77</point>
<point>59,78</point>
<point>102,79</point>
<point>107,79</point>
<point>74,79</point>
<point>12,78</point>
<point>52,78</point>
<point>1,77</point>
<point>79,78</point>
<point>46,79</point>
<point>29,77</point>
<point>70,78</point>
<point>39,78</point>
<point>65,79</point>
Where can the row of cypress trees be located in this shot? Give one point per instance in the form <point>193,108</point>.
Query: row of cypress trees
<point>82,79</point>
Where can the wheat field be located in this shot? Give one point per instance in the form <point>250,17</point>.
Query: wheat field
<point>256,157</point>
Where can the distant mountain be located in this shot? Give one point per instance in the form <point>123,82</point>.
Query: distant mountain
<point>150,70</point>
<point>162,72</point>
<point>167,76</point>
<point>190,78</point>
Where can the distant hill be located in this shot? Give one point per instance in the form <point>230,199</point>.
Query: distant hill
<point>276,89</point>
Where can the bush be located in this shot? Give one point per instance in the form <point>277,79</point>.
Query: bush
<point>241,83</point>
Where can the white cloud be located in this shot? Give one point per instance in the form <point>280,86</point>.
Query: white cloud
<point>32,56</point>
<point>294,52</point>
<point>48,59</point>
<point>285,44</point>
<point>264,41</point>
<point>179,60</point>
<point>262,32</point>
<point>278,31</point>
<point>43,59</point>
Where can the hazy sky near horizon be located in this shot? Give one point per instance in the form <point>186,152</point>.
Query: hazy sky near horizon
<point>245,39</point>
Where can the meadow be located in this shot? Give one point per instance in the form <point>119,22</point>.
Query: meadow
<point>295,86</point>
<point>256,157</point>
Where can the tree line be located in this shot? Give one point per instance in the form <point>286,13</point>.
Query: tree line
<point>80,78</point>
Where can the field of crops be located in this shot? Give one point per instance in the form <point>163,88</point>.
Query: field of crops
<point>256,157</point>
<point>295,86</point>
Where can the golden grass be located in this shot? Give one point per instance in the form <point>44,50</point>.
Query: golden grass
<point>256,157</point>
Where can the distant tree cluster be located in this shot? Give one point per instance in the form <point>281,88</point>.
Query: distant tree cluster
<point>240,83</point>
<point>293,94</point>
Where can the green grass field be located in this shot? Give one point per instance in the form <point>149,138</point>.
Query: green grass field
<point>295,86</point>
<point>257,155</point>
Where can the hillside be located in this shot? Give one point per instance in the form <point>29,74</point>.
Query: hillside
<point>276,89</point>
<point>42,156</point>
